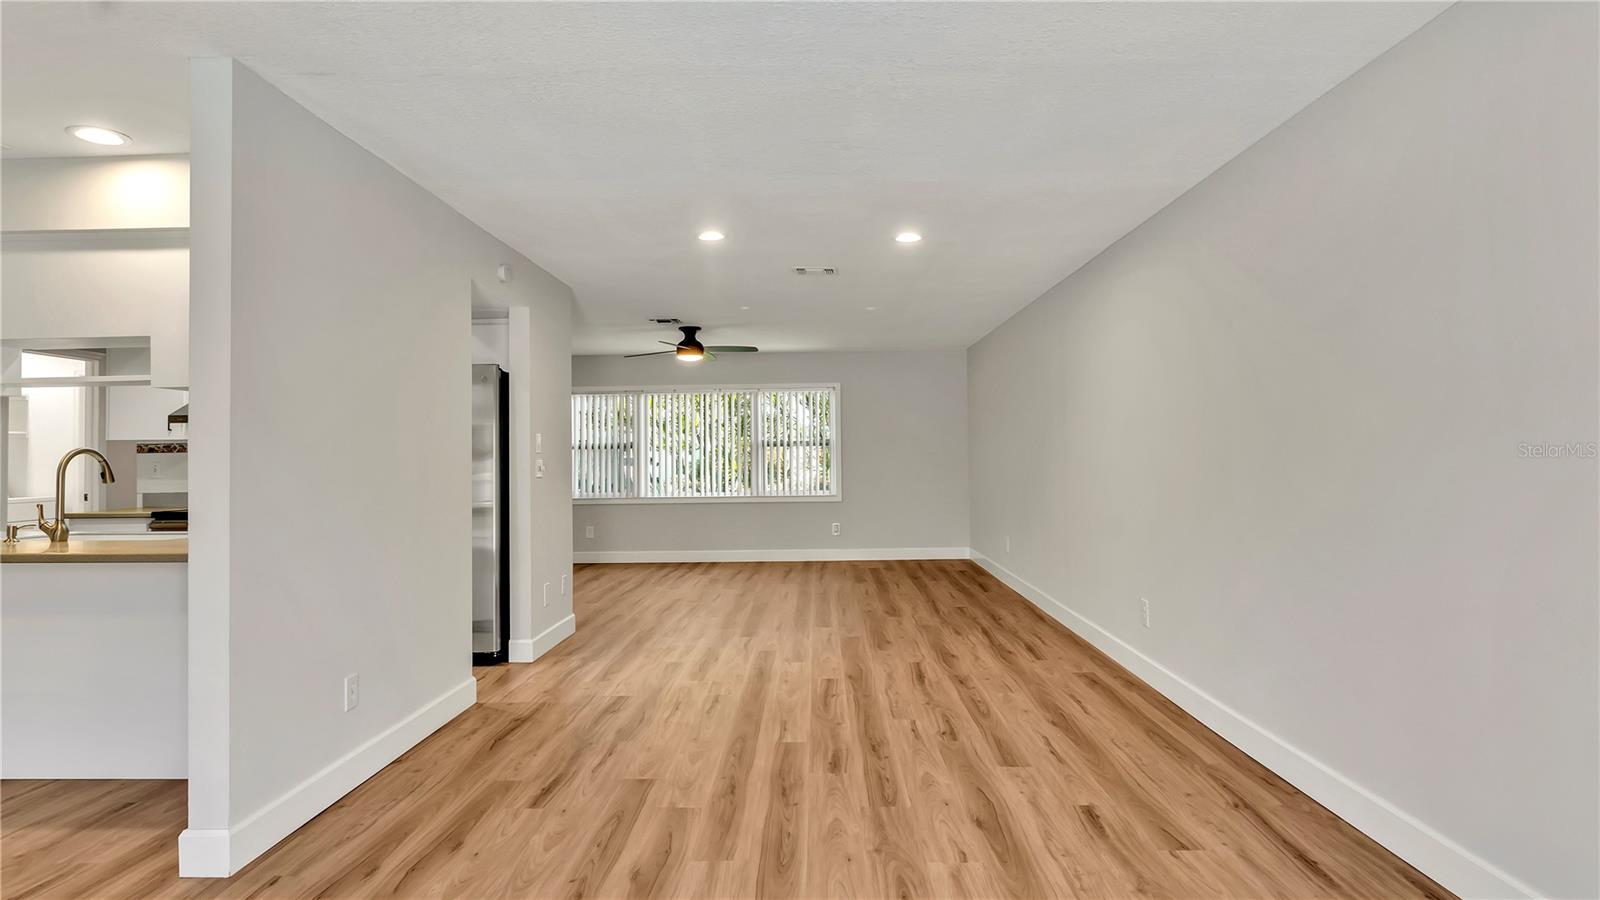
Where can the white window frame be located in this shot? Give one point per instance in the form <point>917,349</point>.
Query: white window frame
<point>758,473</point>
<point>85,482</point>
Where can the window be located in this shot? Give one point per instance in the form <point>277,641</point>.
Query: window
<point>42,424</point>
<point>734,443</point>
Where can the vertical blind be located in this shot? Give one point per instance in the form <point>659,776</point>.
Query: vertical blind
<point>711,443</point>
<point>603,437</point>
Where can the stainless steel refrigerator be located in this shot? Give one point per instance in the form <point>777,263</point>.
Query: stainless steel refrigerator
<point>491,568</point>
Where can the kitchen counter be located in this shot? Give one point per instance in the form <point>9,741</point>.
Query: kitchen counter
<point>89,550</point>
<point>132,512</point>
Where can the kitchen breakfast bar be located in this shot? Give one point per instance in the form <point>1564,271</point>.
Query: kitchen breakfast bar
<point>94,657</point>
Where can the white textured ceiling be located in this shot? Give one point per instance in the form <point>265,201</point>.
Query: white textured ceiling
<point>599,139</point>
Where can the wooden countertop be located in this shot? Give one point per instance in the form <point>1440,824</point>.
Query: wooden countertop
<point>88,550</point>
<point>132,512</point>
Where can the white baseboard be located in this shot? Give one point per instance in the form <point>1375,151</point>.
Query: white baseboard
<point>827,555</point>
<point>218,853</point>
<point>203,853</point>
<point>529,649</point>
<point>1442,859</point>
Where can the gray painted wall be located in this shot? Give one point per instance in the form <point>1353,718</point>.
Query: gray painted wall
<point>331,461</point>
<point>903,448</point>
<point>1292,409</point>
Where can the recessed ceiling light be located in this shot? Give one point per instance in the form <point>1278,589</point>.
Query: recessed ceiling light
<point>908,237</point>
<point>94,134</point>
<point>872,309</point>
<point>709,236</point>
<point>744,307</point>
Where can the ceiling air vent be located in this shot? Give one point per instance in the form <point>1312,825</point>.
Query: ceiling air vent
<point>815,270</point>
<point>664,321</point>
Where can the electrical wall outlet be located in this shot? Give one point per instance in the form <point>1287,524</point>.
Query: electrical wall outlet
<point>538,442</point>
<point>547,593</point>
<point>588,532</point>
<point>352,691</point>
<point>836,529</point>
<point>1008,543</point>
<point>1144,606</point>
<point>564,584</point>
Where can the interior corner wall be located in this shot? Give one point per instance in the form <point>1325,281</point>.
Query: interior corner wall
<point>532,342</point>
<point>902,452</point>
<point>330,462</point>
<point>541,344</point>
<point>1333,414</point>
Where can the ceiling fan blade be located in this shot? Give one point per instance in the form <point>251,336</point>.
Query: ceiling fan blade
<point>734,348</point>
<point>657,353</point>
<point>668,343</point>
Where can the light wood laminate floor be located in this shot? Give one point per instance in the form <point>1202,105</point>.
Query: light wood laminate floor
<point>854,729</point>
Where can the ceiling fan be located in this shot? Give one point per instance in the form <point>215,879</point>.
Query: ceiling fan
<point>691,350</point>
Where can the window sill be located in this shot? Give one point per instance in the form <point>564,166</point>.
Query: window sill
<point>654,501</point>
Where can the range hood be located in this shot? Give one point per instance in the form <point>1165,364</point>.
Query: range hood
<point>179,416</point>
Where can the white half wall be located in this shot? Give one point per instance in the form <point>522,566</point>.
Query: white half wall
<point>903,462</point>
<point>329,461</point>
<point>93,670</point>
<point>1300,411</point>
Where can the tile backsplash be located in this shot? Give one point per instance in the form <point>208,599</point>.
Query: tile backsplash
<point>163,468</point>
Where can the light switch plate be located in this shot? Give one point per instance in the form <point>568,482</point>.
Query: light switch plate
<point>538,468</point>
